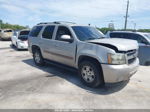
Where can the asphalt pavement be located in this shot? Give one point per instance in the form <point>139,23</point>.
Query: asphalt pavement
<point>23,85</point>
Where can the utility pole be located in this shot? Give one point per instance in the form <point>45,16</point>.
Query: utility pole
<point>1,23</point>
<point>135,26</point>
<point>126,17</point>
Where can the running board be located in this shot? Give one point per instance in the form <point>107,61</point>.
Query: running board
<point>60,65</point>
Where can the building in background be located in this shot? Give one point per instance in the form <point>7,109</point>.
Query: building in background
<point>111,25</point>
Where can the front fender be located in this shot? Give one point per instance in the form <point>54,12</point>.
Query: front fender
<point>97,52</point>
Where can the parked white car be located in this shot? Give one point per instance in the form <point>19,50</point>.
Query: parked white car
<point>19,39</point>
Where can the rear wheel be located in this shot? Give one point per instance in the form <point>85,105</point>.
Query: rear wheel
<point>91,74</point>
<point>38,59</point>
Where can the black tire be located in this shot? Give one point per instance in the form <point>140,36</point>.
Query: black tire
<point>12,43</point>
<point>17,47</point>
<point>39,62</point>
<point>98,79</point>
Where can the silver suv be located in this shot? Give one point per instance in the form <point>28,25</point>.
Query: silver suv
<point>98,60</point>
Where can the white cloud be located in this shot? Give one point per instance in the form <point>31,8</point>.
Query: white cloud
<point>85,10</point>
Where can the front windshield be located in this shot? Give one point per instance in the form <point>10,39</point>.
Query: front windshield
<point>84,33</point>
<point>147,35</point>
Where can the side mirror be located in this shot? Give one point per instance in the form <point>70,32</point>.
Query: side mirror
<point>66,38</point>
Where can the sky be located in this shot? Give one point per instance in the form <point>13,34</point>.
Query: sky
<point>98,13</point>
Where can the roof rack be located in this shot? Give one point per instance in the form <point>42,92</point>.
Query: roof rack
<point>66,22</point>
<point>46,23</point>
<point>57,22</point>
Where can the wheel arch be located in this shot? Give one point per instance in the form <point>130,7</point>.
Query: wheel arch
<point>89,58</point>
<point>35,47</point>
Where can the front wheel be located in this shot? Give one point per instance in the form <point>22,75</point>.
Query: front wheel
<point>38,59</point>
<point>91,73</point>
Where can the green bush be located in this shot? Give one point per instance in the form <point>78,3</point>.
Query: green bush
<point>105,30</point>
<point>10,26</point>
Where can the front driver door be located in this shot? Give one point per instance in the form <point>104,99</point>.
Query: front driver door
<point>64,51</point>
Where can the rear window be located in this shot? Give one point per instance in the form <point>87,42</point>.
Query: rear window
<point>35,31</point>
<point>8,31</point>
<point>24,32</point>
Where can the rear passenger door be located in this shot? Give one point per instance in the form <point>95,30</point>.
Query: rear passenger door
<point>64,51</point>
<point>47,44</point>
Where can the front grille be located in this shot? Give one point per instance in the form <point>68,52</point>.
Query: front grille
<point>131,52</point>
<point>131,56</point>
<point>130,61</point>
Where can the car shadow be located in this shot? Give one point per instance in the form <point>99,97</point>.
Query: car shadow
<point>15,48</point>
<point>72,77</point>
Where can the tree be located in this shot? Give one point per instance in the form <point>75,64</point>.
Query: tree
<point>10,26</point>
<point>105,30</point>
<point>144,30</point>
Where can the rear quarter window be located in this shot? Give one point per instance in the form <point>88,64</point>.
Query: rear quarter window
<point>120,35</point>
<point>35,31</point>
<point>48,32</point>
<point>116,35</point>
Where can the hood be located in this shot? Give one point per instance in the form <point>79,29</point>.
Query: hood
<point>114,43</point>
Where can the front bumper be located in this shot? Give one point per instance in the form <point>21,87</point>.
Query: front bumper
<point>118,73</point>
<point>22,46</point>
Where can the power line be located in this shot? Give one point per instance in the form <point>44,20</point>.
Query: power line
<point>126,17</point>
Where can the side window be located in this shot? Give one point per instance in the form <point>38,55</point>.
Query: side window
<point>126,35</point>
<point>113,35</point>
<point>48,32</point>
<point>139,38</point>
<point>116,35</point>
<point>35,31</point>
<point>62,31</point>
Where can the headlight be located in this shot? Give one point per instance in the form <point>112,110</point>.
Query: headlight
<point>116,59</point>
